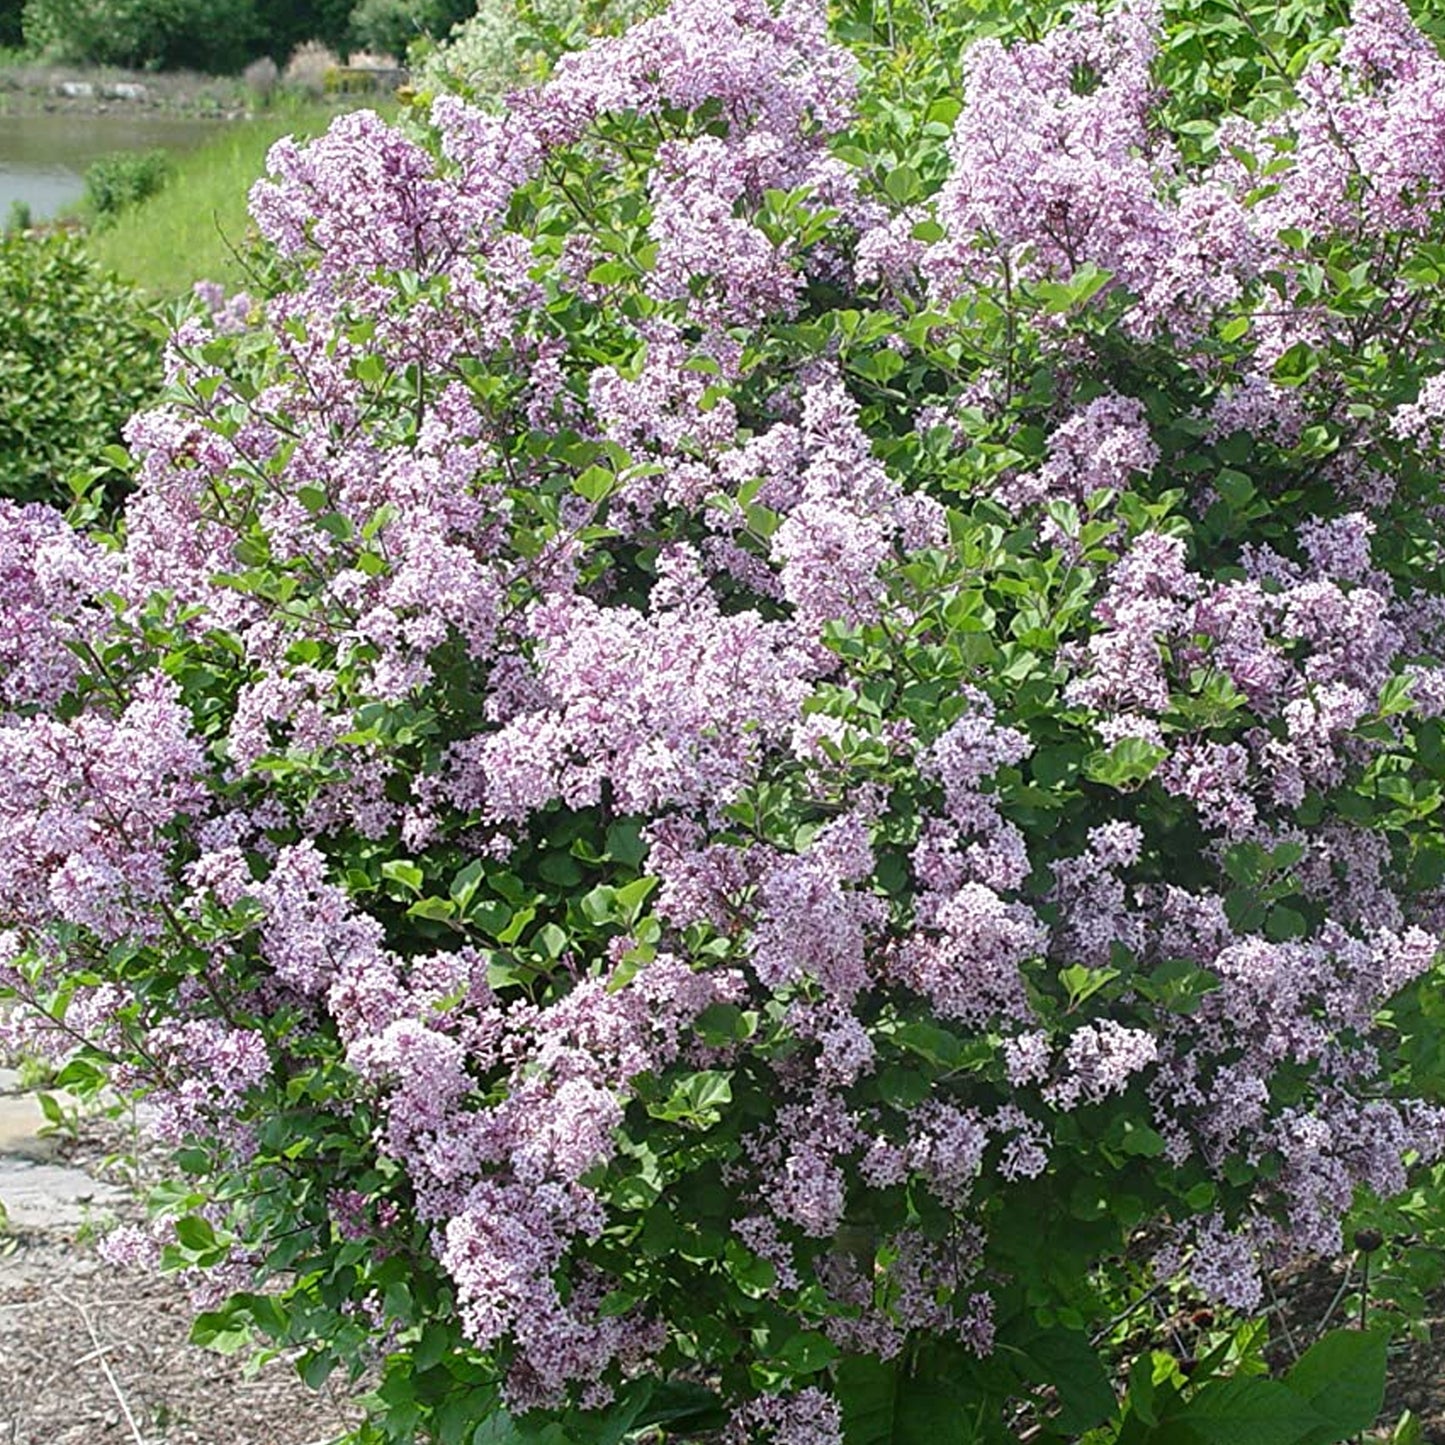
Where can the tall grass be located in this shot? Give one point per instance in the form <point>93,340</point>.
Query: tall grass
<point>191,230</point>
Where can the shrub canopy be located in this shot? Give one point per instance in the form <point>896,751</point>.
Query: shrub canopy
<point>779,726</point>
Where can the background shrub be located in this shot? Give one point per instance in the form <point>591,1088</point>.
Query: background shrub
<point>308,65</point>
<point>261,78</point>
<point>77,356</point>
<point>210,35</point>
<point>511,42</point>
<point>283,25</point>
<point>393,26</point>
<point>123,179</point>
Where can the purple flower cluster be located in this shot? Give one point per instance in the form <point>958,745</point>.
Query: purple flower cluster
<point>1056,166</point>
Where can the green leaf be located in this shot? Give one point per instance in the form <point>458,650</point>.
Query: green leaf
<point>552,940</point>
<point>1284,923</point>
<point>407,874</point>
<point>467,881</point>
<point>1335,1391</point>
<point>807,1352</point>
<point>625,844</point>
<point>724,1023</point>
<point>1058,764</point>
<point>1065,1360</point>
<point>683,1403</point>
<point>901,184</point>
<point>336,525</point>
<point>1343,1376</point>
<point>1244,1408</point>
<point>1126,765</point>
<point>195,1233</point>
<point>1235,487</point>
<point>560,868</point>
<point>598,905</point>
<point>904,1087</point>
<point>50,1107</point>
<point>697,1099</point>
<point>502,1429</point>
<point>435,1343</point>
<point>1297,365</point>
<point>1083,983</point>
<point>631,896</point>
<point>370,369</point>
<point>438,910</point>
<point>884,1405</point>
<point>594,484</point>
<point>220,1330</point>
<point>1245,910</point>
<point>752,1274</point>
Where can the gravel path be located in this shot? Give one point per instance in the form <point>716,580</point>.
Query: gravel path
<point>91,1354</point>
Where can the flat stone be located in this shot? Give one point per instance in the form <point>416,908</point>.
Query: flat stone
<point>21,1120</point>
<point>52,1196</point>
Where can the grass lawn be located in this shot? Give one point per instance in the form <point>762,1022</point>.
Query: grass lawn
<point>188,231</point>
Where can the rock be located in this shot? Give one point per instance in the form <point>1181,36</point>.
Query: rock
<point>126,90</point>
<point>21,1120</point>
<point>76,90</point>
<point>52,1196</point>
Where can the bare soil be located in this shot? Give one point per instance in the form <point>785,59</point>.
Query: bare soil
<point>91,1354</point>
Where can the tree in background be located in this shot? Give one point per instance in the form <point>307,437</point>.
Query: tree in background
<point>217,36</point>
<point>282,25</point>
<point>393,26</point>
<point>12,30</point>
<point>223,35</point>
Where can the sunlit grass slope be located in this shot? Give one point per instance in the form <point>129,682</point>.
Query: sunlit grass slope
<point>192,230</point>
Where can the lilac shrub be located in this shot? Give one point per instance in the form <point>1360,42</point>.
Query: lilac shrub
<point>762,746</point>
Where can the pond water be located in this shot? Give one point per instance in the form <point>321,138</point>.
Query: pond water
<point>43,158</point>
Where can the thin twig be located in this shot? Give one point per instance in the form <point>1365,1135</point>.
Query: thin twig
<point>1339,1295</point>
<point>1106,1329</point>
<point>1278,1311</point>
<point>99,1353</point>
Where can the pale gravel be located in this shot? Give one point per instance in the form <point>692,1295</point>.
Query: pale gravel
<point>91,1354</point>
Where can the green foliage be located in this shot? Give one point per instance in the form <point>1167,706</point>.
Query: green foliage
<point>209,35</point>
<point>124,179</point>
<point>511,42</point>
<point>282,25</point>
<point>393,26</point>
<point>78,354</point>
<point>1332,1393</point>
